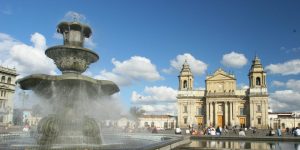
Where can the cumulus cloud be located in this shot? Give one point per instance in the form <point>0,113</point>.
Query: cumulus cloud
<point>234,60</point>
<point>135,69</point>
<point>293,84</point>
<point>170,109</point>
<point>154,94</point>
<point>291,67</point>
<point>198,67</point>
<point>155,99</point>
<point>285,100</point>
<point>27,59</point>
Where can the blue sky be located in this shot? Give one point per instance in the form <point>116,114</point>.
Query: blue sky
<point>143,43</point>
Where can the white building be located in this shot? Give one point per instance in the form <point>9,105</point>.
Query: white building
<point>284,119</point>
<point>7,90</point>
<point>158,121</point>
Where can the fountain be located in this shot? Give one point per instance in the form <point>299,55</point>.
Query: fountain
<point>68,126</point>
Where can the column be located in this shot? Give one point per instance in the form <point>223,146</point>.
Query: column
<point>234,112</point>
<point>226,113</point>
<point>230,114</point>
<point>211,113</point>
<point>215,111</point>
<point>207,114</point>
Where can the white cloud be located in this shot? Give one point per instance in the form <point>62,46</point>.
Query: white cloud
<point>285,100</point>
<point>154,94</point>
<point>135,69</point>
<point>291,67</point>
<point>117,78</point>
<point>277,83</point>
<point>198,67</point>
<point>156,99</point>
<point>293,84</point>
<point>27,59</point>
<point>234,60</point>
<point>89,43</point>
<point>170,109</point>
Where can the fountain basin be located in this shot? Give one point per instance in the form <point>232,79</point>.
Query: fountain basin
<point>43,84</point>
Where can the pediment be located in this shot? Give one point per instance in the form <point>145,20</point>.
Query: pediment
<point>221,76</point>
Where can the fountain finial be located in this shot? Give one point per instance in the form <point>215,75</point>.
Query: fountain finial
<point>74,33</point>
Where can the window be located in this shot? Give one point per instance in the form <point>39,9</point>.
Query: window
<point>258,120</point>
<point>258,81</point>
<point>146,124</point>
<point>165,125</point>
<point>3,79</point>
<point>200,111</point>
<point>152,124</point>
<point>185,109</point>
<point>258,108</point>
<point>241,111</point>
<point>184,84</point>
<point>220,108</point>
<point>9,80</point>
<point>185,120</point>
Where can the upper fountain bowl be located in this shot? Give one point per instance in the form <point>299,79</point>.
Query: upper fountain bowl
<point>72,56</point>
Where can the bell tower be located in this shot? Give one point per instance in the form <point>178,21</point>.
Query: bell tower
<point>258,95</point>
<point>257,75</point>
<point>186,78</point>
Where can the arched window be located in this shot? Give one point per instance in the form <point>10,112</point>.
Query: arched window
<point>146,124</point>
<point>3,79</point>
<point>9,80</point>
<point>258,81</point>
<point>184,84</point>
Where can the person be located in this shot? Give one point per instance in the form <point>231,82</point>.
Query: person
<point>154,130</point>
<point>213,131</point>
<point>208,130</point>
<point>296,132</point>
<point>278,132</point>
<point>218,131</point>
<point>242,133</point>
<point>287,130</point>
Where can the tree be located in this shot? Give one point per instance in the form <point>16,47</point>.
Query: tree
<point>137,112</point>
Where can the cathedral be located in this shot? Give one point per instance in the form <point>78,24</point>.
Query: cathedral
<point>221,103</point>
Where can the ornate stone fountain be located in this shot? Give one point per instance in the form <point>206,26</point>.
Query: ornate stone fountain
<point>67,93</point>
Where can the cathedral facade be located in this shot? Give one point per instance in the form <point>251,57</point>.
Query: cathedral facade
<point>7,90</point>
<point>221,103</point>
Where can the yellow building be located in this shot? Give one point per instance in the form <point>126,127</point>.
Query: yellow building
<point>221,103</point>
